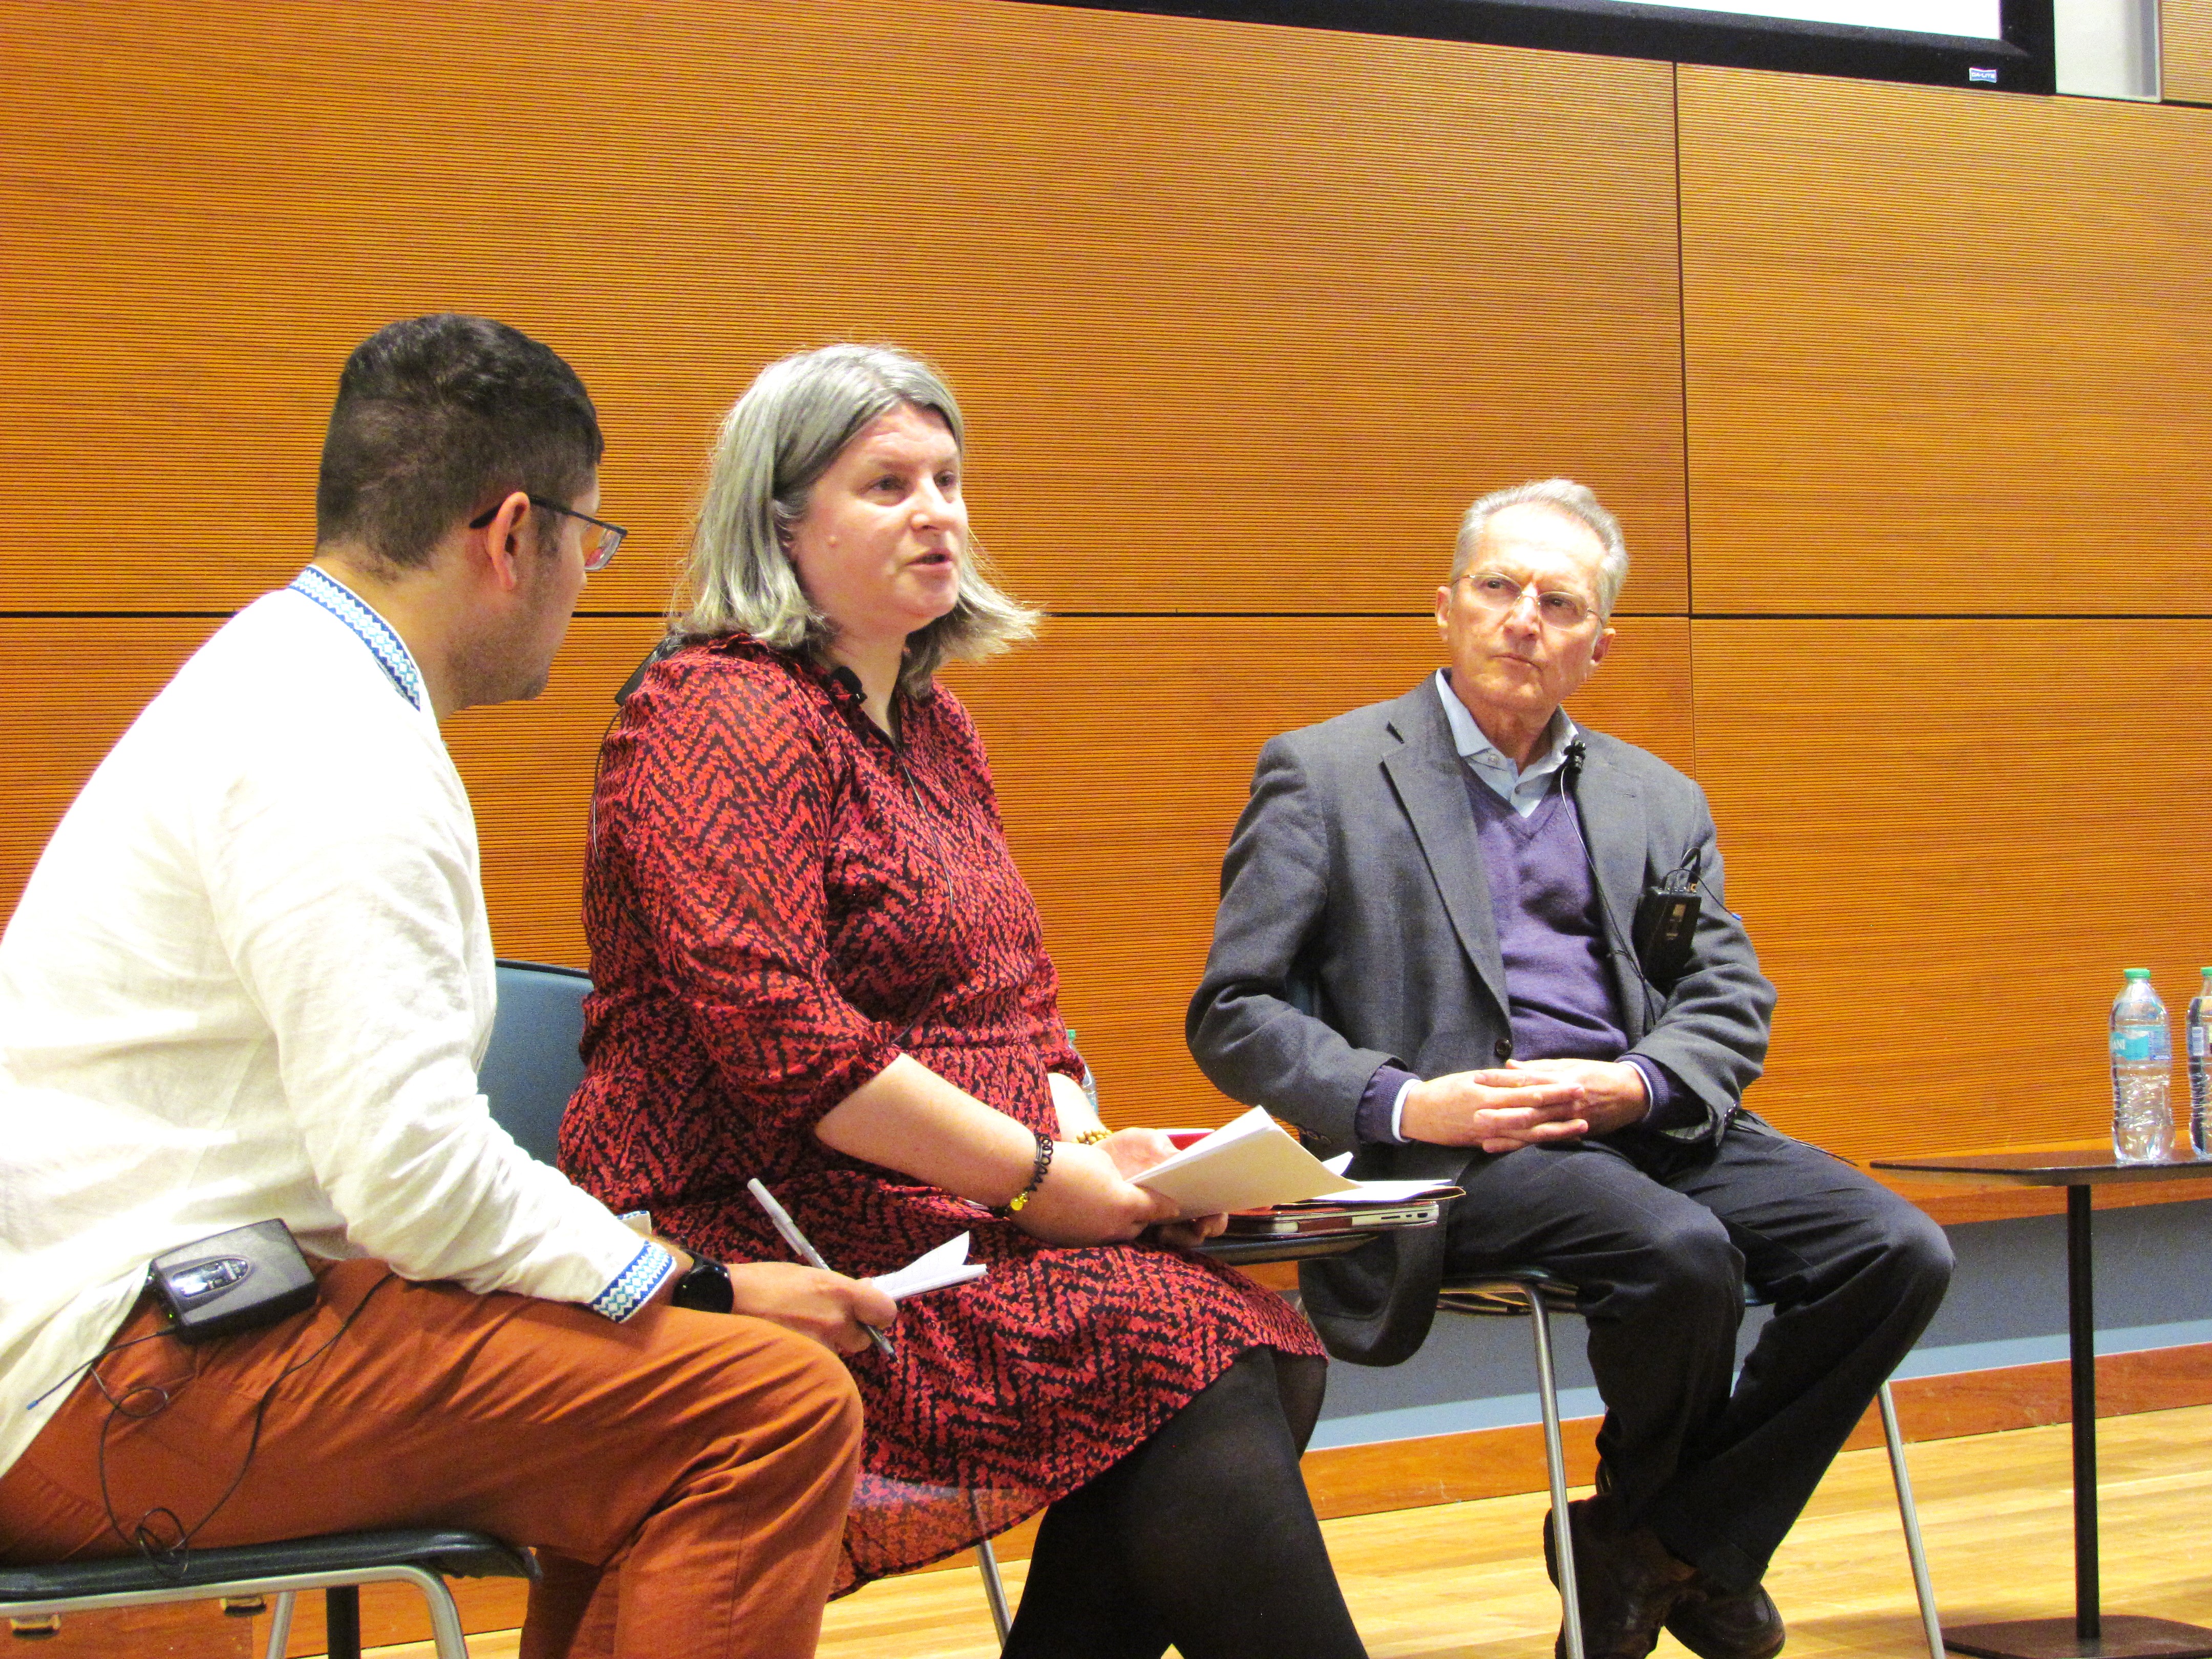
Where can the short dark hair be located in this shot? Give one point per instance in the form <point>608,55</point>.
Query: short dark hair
<point>438,417</point>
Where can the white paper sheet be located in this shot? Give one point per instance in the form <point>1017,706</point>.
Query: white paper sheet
<point>1245,1165</point>
<point>947,1265</point>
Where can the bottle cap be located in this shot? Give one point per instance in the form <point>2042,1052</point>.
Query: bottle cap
<point>2137,973</point>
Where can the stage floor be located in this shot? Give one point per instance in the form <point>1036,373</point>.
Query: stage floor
<point>1465,1579</point>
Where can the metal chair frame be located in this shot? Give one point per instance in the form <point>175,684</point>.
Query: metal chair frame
<point>1541,1294</point>
<point>32,1597</point>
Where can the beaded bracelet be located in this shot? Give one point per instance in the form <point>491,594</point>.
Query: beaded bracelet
<point>1015,1204</point>
<point>1092,1137</point>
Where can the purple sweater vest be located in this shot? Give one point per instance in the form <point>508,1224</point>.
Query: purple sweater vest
<point>1560,990</point>
<point>1549,932</point>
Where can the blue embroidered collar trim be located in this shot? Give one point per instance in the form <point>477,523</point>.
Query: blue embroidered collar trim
<point>387,648</point>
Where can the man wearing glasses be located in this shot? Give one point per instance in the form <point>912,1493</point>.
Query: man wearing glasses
<point>1435,944</point>
<point>251,979</point>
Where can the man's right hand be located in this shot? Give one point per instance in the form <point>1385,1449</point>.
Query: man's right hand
<point>828,1307</point>
<point>1085,1200</point>
<point>1498,1111</point>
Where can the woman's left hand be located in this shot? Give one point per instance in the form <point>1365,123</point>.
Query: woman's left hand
<point>1187,1233</point>
<point>1134,1151</point>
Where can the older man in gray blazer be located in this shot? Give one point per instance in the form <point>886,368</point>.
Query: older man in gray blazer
<point>1427,950</point>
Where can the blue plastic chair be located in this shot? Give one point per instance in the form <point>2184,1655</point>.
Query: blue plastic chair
<point>531,1066</point>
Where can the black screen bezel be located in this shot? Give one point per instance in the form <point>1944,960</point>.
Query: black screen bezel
<point>2022,62</point>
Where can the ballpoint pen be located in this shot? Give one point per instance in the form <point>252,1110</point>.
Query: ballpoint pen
<point>807,1253</point>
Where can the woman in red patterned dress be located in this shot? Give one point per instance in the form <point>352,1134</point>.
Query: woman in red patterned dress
<point>817,964</point>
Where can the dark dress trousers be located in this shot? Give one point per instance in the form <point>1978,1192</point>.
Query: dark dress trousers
<point>1357,928</point>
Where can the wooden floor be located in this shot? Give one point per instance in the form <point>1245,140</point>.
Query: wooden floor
<point>1466,1578</point>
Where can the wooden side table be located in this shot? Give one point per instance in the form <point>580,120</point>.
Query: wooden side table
<point>2088,1634</point>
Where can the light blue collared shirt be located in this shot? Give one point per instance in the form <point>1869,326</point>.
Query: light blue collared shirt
<point>1520,787</point>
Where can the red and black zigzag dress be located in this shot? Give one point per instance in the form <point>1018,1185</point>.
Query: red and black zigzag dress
<point>779,904</point>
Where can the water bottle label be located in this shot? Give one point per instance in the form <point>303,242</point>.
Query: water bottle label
<point>2133,1045</point>
<point>2196,1039</point>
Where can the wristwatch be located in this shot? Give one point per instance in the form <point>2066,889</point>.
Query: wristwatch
<point>705,1287</point>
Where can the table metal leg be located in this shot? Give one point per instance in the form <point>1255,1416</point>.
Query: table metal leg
<point>2081,1363</point>
<point>2088,1634</point>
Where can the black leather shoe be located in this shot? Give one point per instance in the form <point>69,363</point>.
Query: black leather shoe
<point>1627,1582</point>
<point>1717,1624</point>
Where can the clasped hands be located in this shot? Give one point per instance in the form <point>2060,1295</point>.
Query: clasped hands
<point>1526,1102</point>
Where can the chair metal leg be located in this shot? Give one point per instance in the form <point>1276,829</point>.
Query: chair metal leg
<point>280,1624</point>
<point>1555,1462</point>
<point>994,1591</point>
<point>1915,1551</point>
<point>446,1631</point>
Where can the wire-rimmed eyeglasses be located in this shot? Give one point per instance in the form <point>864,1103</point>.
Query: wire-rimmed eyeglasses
<point>601,539</point>
<point>1496,592</point>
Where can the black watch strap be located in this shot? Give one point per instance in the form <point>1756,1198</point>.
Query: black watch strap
<point>705,1287</point>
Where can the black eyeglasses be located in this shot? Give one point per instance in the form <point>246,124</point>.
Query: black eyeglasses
<point>601,539</point>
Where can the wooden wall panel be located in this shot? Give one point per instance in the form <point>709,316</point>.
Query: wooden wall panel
<point>2185,50</point>
<point>185,1630</point>
<point>1245,315</point>
<point>73,688</point>
<point>1944,352</point>
<point>529,768</point>
<point>1123,751</point>
<point>1947,838</point>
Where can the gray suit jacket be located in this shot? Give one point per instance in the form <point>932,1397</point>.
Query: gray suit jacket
<point>1356,928</point>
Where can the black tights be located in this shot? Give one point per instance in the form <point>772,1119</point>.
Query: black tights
<point>1203,1536</point>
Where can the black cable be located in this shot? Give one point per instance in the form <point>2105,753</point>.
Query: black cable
<point>172,1559</point>
<point>75,1371</point>
<point>1570,777</point>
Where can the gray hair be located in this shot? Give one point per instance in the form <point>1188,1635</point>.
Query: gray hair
<point>776,443</point>
<point>1564,495</point>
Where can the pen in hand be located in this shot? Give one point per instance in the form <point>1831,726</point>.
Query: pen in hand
<point>807,1253</point>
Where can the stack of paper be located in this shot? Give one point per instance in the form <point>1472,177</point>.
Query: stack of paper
<point>1246,1165</point>
<point>1251,1164</point>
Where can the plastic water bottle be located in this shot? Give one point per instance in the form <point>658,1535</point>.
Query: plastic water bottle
<point>2142,1071</point>
<point>2200,1034</point>
<point>1090,1077</point>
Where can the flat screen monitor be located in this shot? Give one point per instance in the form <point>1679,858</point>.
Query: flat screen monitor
<point>2002,45</point>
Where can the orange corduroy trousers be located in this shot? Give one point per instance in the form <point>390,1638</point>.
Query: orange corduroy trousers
<point>683,1477</point>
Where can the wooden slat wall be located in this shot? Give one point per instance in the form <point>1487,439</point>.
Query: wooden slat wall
<point>1948,837</point>
<point>73,686</point>
<point>1245,315</point>
<point>1242,316</point>
<point>1945,354</point>
<point>2186,50</point>
<point>1946,366</point>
